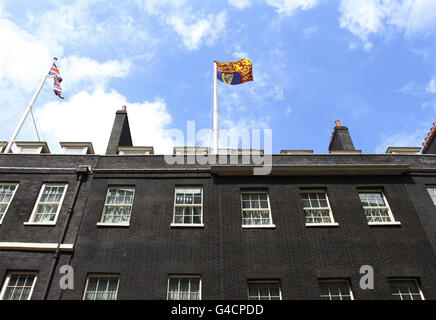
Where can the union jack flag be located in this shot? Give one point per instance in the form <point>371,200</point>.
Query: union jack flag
<point>54,73</point>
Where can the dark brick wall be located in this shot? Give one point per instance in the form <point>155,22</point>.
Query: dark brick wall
<point>227,256</point>
<point>224,254</point>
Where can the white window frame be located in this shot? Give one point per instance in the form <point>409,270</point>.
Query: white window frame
<point>193,225</point>
<point>431,187</point>
<point>101,275</point>
<point>83,148</point>
<point>381,223</point>
<point>271,225</point>
<point>31,222</point>
<point>336,281</point>
<point>263,281</point>
<point>119,224</point>
<point>333,223</point>
<point>407,279</point>
<point>12,198</point>
<point>22,150</point>
<point>8,277</point>
<point>178,276</point>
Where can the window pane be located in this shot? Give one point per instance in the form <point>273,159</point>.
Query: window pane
<point>184,288</point>
<point>188,206</point>
<point>18,286</point>
<point>335,290</point>
<point>263,290</point>
<point>101,288</point>
<point>405,289</point>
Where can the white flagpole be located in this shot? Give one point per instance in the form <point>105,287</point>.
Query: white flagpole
<point>215,110</point>
<point>26,112</point>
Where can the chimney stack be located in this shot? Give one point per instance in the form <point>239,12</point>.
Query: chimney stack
<point>341,139</point>
<point>120,134</point>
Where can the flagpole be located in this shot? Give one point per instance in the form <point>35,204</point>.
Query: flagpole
<point>26,112</point>
<point>215,109</point>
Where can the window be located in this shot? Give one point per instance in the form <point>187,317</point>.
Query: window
<point>135,151</point>
<point>78,150</point>
<point>184,288</point>
<point>188,206</point>
<point>31,150</point>
<point>49,204</point>
<point>376,208</point>
<point>118,205</point>
<point>406,289</point>
<point>18,286</point>
<point>316,208</point>
<point>335,290</point>
<point>101,287</point>
<point>7,192</point>
<point>432,193</point>
<point>255,209</point>
<point>264,290</point>
<point>77,147</point>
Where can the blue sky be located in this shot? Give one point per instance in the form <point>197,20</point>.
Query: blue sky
<point>369,63</point>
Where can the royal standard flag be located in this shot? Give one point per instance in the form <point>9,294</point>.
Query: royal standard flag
<point>236,72</point>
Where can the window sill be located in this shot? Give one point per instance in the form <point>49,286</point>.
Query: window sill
<point>394,223</point>
<point>106,224</point>
<point>266,226</point>
<point>332,224</point>
<point>39,224</point>
<point>187,225</point>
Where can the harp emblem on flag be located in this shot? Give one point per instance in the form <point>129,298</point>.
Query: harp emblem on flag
<point>227,78</point>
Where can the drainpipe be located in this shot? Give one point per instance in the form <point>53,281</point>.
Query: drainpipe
<point>82,174</point>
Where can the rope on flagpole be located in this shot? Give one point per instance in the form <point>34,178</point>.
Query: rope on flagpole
<point>34,124</point>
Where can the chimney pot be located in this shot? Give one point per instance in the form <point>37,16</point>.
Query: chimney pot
<point>338,123</point>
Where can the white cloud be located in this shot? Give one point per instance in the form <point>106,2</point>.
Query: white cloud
<point>194,31</point>
<point>240,4</point>
<point>195,27</point>
<point>402,139</point>
<point>18,68</point>
<point>239,53</point>
<point>86,70</point>
<point>364,18</point>
<point>289,7</point>
<point>431,88</point>
<point>89,117</point>
<point>88,110</point>
<point>308,32</point>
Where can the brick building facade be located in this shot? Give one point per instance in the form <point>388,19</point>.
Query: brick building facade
<point>214,231</point>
